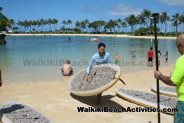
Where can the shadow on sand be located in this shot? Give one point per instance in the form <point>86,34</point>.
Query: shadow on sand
<point>105,101</point>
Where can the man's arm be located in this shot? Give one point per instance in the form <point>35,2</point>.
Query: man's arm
<point>90,65</point>
<point>163,78</point>
<point>91,62</point>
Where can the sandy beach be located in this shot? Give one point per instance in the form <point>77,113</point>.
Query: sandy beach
<point>98,35</point>
<point>55,101</point>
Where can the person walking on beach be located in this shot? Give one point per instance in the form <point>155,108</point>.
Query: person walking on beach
<point>159,57</point>
<point>166,57</point>
<point>67,69</point>
<point>150,56</point>
<point>116,59</point>
<point>176,79</point>
<point>1,83</point>
<point>101,57</point>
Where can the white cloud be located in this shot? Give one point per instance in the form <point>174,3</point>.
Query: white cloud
<point>116,10</point>
<point>123,10</point>
<point>173,2</point>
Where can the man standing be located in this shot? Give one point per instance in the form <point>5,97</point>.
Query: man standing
<point>150,56</point>
<point>176,79</point>
<point>101,57</point>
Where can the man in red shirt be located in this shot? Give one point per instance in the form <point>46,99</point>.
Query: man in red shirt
<point>150,56</point>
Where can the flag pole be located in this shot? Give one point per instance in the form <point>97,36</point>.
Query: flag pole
<point>155,18</point>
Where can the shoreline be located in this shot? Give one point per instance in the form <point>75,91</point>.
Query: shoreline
<point>93,35</point>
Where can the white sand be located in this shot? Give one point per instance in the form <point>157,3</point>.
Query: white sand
<point>99,35</point>
<point>54,100</point>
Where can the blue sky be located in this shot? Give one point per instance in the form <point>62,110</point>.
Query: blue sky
<point>85,9</point>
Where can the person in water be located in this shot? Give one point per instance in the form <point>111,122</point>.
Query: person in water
<point>116,59</point>
<point>133,53</point>
<point>166,57</point>
<point>69,39</point>
<point>159,57</point>
<point>101,57</point>
<point>67,69</point>
<point>150,56</point>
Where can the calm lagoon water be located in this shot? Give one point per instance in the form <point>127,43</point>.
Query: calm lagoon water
<point>39,58</point>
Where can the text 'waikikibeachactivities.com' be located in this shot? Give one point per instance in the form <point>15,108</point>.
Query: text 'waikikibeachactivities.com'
<point>128,109</point>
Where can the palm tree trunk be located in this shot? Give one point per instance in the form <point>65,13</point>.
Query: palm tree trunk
<point>165,29</point>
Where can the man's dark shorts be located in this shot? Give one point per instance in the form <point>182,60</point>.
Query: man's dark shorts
<point>150,59</point>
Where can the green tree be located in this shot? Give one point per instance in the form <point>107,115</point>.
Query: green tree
<point>141,20</point>
<point>111,25</point>
<point>12,22</point>
<point>119,21</point>
<point>86,21</point>
<point>164,18</point>
<point>77,25</point>
<point>64,23</point>
<point>181,19</point>
<point>97,25</point>
<point>69,22</point>
<point>4,22</point>
<point>124,25</point>
<point>132,21</point>
<point>146,14</point>
<point>175,21</point>
<point>42,23</point>
<point>50,22</point>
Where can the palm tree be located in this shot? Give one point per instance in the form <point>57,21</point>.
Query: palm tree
<point>34,23</point>
<point>63,29</point>
<point>45,22</point>
<point>141,20</point>
<point>69,22</point>
<point>164,18</point>
<point>111,25</point>
<point>82,25</point>
<point>146,14</point>
<point>4,22</point>
<point>64,23</point>
<point>20,24</point>
<point>86,21</point>
<point>132,21</point>
<point>12,22</point>
<point>77,24</point>
<point>181,19</point>
<point>175,20</point>
<point>124,25</point>
<point>94,25</point>
<point>50,22</point>
<point>37,24</point>
<point>55,21</point>
<point>25,25</point>
<point>119,24</point>
<point>42,23</point>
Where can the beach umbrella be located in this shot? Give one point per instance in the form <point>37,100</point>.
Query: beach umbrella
<point>155,18</point>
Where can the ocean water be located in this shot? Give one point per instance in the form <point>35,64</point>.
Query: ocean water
<point>39,58</point>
